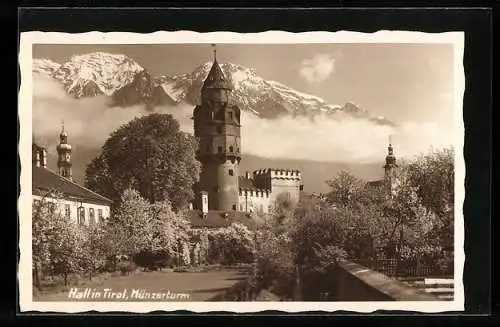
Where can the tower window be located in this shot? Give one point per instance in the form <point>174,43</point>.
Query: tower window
<point>234,207</point>
<point>219,149</point>
<point>231,172</point>
<point>231,149</point>
<point>219,129</point>
<point>230,115</point>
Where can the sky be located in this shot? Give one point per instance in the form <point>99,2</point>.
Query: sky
<point>402,82</point>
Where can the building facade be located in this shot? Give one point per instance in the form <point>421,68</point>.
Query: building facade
<point>217,125</point>
<point>58,190</point>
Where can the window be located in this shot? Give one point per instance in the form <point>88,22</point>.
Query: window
<point>81,216</point>
<point>219,149</point>
<point>231,149</point>
<point>52,207</point>
<point>67,210</point>
<point>231,172</point>
<point>219,129</point>
<point>99,214</point>
<point>269,209</point>
<point>237,150</point>
<point>91,216</point>
<point>241,206</point>
<point>230,114</point>
<point>234,207</point>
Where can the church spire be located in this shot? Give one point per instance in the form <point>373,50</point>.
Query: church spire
<point>64,155</point>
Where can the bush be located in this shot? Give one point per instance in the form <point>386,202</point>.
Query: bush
<point>126,267</point>
<point>153,260</point>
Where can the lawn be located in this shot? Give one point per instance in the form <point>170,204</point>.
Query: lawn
<point>160,285</point>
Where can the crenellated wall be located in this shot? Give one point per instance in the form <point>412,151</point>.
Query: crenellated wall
<point>257,200</point>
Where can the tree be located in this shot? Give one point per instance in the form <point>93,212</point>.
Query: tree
<point>344,188</point>
<point>131,225</point>
<point>432,176</point>
<point>151,155</point>
<point>55,247</point>
<point>93,247</point>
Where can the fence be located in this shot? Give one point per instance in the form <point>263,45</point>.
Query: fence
<point>402,268</point>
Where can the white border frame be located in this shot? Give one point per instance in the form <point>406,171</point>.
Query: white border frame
<point>27,39</point>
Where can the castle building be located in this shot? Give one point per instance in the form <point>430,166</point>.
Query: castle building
<point>78,203</point>
<point>217,125</point>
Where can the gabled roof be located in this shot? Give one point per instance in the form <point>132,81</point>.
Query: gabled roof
<point>216,219</point>
<point>47,180</point>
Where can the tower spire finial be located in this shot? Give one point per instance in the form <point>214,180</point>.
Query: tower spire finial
<point>390,139</point>
<point>214,49</point>
<point>62,123</point>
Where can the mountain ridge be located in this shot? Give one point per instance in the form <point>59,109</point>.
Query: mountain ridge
<point>127,83</point>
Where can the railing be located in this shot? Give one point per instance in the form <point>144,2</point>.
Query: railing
<point>402,268</point>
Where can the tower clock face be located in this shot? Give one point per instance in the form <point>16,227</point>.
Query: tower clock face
<point>67,156</point>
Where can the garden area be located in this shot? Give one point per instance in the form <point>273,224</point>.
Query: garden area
<point>148,238</point>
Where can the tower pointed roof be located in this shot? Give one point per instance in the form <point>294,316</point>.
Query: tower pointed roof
<point>216,78</point>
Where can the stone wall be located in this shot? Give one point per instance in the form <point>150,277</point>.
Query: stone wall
<point>354,282</point>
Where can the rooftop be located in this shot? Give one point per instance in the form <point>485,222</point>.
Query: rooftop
<point>47,180</point>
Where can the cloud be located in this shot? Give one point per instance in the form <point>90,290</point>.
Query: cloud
<point>89,121</point>
<point>342,141</point>
<point>318,68</point>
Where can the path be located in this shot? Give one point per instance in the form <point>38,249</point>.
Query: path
<point>201,286</point>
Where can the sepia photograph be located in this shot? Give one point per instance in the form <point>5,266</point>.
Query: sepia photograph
<point>285,171</point>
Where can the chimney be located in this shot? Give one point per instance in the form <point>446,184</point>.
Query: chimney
<point>247,175</point>
<point>204,203</point>
<point>43,158</point>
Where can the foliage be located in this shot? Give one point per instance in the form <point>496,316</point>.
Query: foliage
<point>274,262</point>
<point>327,256</point>
<point>343,189</point>
<point>56,250</point>
<point>151,155</point>
<point>94,247</point>
<point>233,244</point>
<point>151,233</point>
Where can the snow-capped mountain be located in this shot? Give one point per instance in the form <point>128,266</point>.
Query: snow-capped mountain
<point>45,66</point>
<point>98,73</point>
<point>128,83</point>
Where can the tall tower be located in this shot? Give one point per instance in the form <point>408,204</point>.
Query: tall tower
<point>64,156</point>
<point>390,167</point>
<point>217,127</point>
